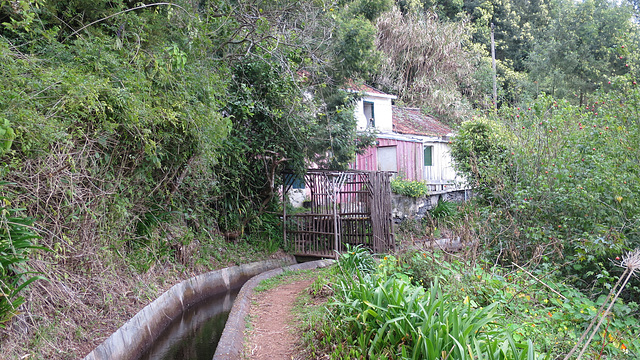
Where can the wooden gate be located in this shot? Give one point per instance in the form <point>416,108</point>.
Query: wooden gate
<point>345,207</point>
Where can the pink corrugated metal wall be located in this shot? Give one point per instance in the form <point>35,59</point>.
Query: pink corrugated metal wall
<point>367,161</point>
<point>409,158</point>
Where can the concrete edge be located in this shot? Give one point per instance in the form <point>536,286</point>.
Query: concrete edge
<point>231,342</point>
<point>134,337</point>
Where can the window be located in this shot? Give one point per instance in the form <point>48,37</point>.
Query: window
<point>368,113</point>
<point>387,158</point>
<point>295,181</point>
<point>428,156</point>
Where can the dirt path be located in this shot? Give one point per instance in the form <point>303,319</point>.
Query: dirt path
<point>272,336</point>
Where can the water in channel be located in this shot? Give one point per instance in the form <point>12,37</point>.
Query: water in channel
<point>194,335</point>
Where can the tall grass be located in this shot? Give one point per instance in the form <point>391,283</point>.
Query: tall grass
<point>380,314</point>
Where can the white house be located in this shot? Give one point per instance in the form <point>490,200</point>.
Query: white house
<point>409,142</point>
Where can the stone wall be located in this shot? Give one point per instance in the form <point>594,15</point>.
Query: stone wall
<point>405,207</point>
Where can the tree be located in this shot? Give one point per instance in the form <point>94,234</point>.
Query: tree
<point>478,151</point>
<point>285,102</point>
<point>584,47</point>
<point>426,60</point>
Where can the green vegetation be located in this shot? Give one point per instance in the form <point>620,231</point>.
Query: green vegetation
<point>16,244</point>
<point>410,188</point>
<point>147,141</point>
<point>478,145</point>
<point>390,317</point>
<point>565,182</point>
<point>439,52</point>
<point>425,305</point>
<point>557,186</point>
<point>536,305</point>
<point>378,312</point>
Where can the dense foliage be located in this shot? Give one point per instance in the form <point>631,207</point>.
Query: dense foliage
<point>563,186</point>
<point>120,118</point>
<point>430,305</point>
<point>141,135</point>
<point>567,49</point>
<point>138,135</point>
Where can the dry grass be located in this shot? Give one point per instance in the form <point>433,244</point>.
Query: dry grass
<point>80,306</point>
<point>425,60</point>
<point>93,287</point>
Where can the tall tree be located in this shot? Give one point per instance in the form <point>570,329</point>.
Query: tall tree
<point>586,45</point>
<point>426,60</point>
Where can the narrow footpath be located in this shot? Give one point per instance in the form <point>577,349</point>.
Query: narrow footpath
<point>272,335</point>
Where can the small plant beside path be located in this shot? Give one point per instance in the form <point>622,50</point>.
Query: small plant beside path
<point>426,305</point>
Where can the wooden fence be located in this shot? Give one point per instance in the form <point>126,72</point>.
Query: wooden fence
<point>345,207</point>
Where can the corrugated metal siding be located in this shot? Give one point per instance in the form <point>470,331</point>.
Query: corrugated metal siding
<point>409,158</point>
<point>367,161</point>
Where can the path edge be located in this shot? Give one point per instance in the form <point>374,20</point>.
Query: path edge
<point>134,337</point>
<point>231,342</point>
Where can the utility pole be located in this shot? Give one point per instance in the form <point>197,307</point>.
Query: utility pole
<point>493,59</point>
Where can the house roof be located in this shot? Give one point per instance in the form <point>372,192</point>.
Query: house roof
<point>412,122</point>
<point>369,90</point>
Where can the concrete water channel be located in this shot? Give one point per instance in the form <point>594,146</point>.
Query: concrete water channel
<point>195,334</point>
<point>199,318</point>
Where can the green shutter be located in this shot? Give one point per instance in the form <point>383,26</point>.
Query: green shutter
<point>428,156</point>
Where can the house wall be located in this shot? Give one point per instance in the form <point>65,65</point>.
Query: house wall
<point>381,111</point>
<point>409,158</point>
<point>410,161</point>
<point>442,169</point>
<point>367,161</point>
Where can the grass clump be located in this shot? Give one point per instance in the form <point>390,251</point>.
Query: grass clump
<point>536,304</point>
<point>380,312</point>
<point>17,242</point>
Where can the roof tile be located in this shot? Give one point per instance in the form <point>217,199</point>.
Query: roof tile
<point>352,85</point>
<point>412,122</point>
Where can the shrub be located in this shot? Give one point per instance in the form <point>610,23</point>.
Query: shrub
<point>444,209</point>
<point>478,151</point>
<point>563,183</point>
<point>411,188</point>
<point>357,259</point>
<point>382,314</point>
